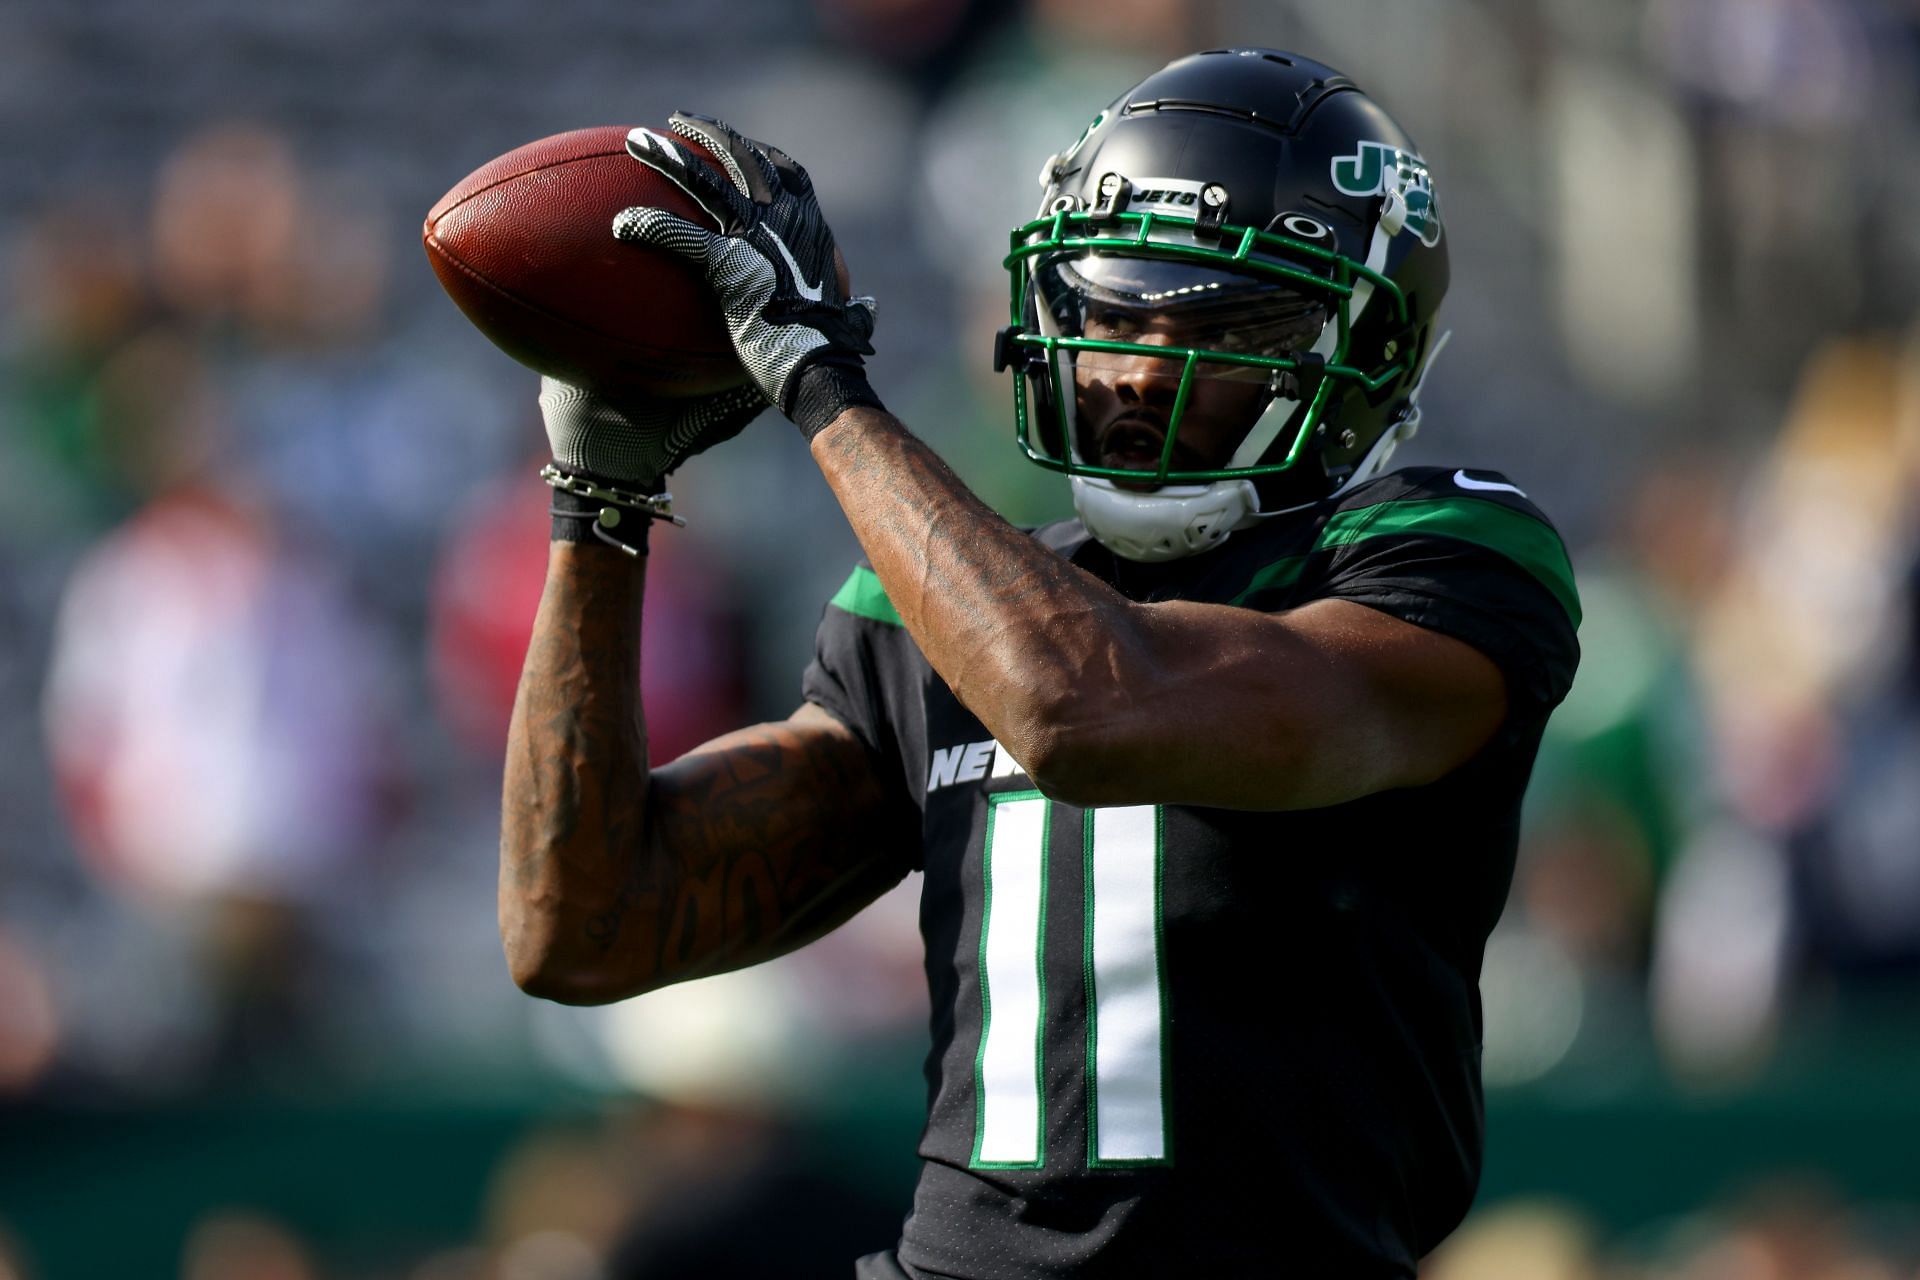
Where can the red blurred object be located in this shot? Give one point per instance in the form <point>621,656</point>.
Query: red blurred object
<point>487,588</point>
<point>524,246</point>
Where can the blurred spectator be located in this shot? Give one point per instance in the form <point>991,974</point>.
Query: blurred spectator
<point>78,293</point>
<point>212,709</point>
<point>213,713</point>
<point>226,217</point>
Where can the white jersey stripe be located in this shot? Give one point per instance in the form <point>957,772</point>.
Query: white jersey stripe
<point>1013,990</point>
<point>1123,934</point>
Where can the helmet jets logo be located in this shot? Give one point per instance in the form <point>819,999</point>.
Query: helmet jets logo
<point>1057,164</point>
<point>1085,133</point>
<point>1165,195</point>
<point>1378,169</point>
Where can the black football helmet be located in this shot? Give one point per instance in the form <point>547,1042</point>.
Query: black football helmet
<point>1225,306</point>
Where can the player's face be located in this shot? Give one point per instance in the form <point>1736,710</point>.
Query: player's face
<point>1125,401</point>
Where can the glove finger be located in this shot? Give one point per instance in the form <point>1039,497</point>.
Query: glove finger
<point>792,175</point>
<point>746,161</point>
<point>662,230</point>
<point>669,158</point>
<point>727,414</point>
<point>860,314</point>
<point>714,420</point>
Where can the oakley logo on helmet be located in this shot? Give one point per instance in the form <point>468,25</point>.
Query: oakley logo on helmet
<point>1378,169</point>
<point>1301,227</point>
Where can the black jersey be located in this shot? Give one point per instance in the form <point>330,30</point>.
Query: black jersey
<point>1177,1040</point>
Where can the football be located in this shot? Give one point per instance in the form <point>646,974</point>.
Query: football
<point>524,246</point>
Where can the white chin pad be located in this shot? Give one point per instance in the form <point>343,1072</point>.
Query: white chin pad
<point>1167,523</point>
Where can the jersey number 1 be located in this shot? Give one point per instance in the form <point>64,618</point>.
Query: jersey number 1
<point>1121,953</point>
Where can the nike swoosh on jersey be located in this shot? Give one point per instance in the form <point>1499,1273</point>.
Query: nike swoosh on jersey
<point>811,292</point>
<point>1466,481</point>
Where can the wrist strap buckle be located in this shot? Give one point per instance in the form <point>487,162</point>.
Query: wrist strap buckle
<point>654,506</point>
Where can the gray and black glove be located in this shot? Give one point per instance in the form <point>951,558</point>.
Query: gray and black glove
<point>636,444</point>
<point>610,459</point>
<point>771,265</point>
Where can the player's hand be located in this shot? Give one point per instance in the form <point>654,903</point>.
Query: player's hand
<point>772,263</point>
<point>634,444</point>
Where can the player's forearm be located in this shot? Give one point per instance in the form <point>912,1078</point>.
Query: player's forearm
<point>573,799</point>
<point>1031,645</point>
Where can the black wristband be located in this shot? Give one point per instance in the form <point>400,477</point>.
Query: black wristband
<point>577,519</point>
<point>827,388</point>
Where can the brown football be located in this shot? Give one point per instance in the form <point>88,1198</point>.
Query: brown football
<point>524,246</point>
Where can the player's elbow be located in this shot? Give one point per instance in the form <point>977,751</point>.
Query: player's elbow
<point>1080,755</point>
<point>567,984</point>
<point>543,969</point>
<point>1087,778</point>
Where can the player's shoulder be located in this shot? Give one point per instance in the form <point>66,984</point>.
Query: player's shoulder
<point>1464,488</point>
<point>1416,512</point>
<point>863,597</point>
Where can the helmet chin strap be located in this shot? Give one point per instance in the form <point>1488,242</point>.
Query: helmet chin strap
<point>1280,410</point>
<point>1267,429</point>
<point>1404,428</point>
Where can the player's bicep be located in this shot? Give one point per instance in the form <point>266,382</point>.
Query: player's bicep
<point>1316,706</point>
<point>1414,704</point>
<point>772,836</point>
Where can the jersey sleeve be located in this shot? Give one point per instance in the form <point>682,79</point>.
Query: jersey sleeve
<point>844,676</point>
<point>1467,555</point>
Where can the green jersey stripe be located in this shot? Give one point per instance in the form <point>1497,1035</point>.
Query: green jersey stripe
<point>864,597</point>
<point>1530,543</point>
<point>1277,576</point>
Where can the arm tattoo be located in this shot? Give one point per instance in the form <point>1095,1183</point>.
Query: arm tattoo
<point>761,837</point>
<point>745,848</point>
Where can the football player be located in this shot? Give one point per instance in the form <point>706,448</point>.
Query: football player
<point>1215,789</point>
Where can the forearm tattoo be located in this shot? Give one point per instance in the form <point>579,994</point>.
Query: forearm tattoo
<point>747,847</point>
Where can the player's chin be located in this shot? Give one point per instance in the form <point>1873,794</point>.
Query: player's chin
<point>1132,462</point>
<point>1140,451</point>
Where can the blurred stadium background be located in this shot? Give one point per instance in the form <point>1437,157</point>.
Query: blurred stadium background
<point>270,543</point>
